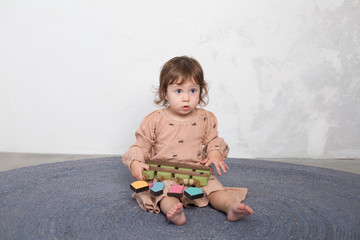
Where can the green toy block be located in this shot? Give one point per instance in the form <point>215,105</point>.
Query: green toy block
<point>203,180</point>
<point>150,174</point>
<point>165,175</point>
<point>183,176</point>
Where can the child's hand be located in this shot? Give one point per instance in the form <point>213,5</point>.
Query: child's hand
<point>214,157</point>
<point>136,169</point>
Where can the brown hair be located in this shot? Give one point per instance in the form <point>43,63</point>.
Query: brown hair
<point>184,68</point>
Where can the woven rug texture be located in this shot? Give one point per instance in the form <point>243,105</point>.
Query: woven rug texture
<point>91,199</point>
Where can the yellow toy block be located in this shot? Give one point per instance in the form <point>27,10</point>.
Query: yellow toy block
<point>139,186</point>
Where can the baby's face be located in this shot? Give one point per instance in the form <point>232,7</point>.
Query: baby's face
<point>183,98</point>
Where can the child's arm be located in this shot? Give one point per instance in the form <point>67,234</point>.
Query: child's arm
<point>134,158</point>
<point>215,147</point>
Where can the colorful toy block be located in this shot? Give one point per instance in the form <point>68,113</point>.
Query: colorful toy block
<point>176,191</point>
<point>157,188</point>
<point>139,186</point>
<point>194,193</point>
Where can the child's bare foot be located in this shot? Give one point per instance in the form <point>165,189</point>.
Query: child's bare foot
<point>176,214</point>
<point>238,211</point>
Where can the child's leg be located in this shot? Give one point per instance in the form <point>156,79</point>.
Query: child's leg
<point>223,201</point>
<point>173,209</point>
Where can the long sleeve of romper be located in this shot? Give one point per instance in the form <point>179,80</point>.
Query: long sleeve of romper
<point>212,142</point>
<point>145,138</point>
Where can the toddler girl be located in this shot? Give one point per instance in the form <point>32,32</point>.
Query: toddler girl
<point>183,133</point>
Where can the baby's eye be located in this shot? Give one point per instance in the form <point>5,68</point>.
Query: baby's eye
<point>178,90</point>
<point>193,90</point>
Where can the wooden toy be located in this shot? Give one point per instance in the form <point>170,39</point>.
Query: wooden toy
<point>183,176</point>
<point>139,186</point>
<point>191,181</point>
<point>203,180</point>
<point>157,188</point>
<point>186,181</point>
<point>149,175</point>
<point>176,191</point>
<point>194,193</point>
<point>164,174</point>
<point>169,170</point>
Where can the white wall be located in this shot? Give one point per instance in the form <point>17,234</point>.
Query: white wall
<point>77,76</point>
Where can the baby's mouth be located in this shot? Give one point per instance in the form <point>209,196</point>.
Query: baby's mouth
<point>186,108</point>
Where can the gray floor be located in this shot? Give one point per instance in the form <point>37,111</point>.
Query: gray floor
<point>10,161</point>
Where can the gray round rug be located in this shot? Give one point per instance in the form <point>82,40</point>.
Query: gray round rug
<point>91,199</point>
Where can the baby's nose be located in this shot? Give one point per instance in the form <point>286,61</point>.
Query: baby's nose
<point>186,96</point>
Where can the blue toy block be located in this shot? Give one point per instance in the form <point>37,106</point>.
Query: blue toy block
<point>194,193</point>
<point>157,188</point>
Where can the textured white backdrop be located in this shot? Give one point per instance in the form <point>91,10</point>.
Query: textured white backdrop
<point>77,76</point>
